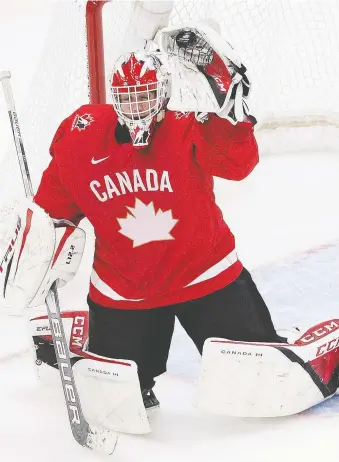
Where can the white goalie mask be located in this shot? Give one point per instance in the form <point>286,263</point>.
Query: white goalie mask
<point>140,88</point>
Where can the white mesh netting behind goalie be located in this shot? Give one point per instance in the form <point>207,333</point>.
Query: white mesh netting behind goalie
<point>288,46</point>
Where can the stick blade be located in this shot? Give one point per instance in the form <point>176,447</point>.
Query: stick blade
<point>102,440</point>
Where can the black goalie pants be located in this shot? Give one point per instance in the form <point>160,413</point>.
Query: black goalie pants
<point>236,312</point>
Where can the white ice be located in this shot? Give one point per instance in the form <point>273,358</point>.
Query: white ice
<point>286,206</point>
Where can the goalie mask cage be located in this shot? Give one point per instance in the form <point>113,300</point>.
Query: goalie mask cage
<point>290,48</point>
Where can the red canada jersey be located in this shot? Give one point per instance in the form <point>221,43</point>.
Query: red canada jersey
<point>160,237</point>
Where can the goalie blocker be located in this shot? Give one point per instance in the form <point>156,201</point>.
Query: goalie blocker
<point>36,251</point>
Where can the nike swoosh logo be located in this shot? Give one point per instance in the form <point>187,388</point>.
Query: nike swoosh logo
<point>97,161</point>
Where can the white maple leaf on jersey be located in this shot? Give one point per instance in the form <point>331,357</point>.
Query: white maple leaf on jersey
<point>143,224</point>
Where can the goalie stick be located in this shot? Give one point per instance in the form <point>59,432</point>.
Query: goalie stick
<point>95,438</point>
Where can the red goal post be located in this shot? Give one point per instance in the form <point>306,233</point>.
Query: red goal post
<point>145,18</point>
<point>95,51</point>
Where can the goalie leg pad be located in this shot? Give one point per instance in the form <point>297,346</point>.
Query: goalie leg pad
<point>75,325</point>
<point>110,394</point>
<point>269,379</point>
<point>109,389</point>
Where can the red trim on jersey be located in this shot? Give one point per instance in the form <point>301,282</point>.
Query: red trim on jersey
<point>183,295</point>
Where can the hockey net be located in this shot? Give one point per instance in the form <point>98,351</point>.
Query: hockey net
<point>288,46</point>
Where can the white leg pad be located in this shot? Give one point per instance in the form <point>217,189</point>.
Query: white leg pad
<point>254,380</point>
<point>110,395</point>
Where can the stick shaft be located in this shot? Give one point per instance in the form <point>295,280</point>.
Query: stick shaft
<point>13,117</point>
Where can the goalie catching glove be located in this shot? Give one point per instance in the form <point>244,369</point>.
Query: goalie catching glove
<point>207,74</point>
<point>36,251</point>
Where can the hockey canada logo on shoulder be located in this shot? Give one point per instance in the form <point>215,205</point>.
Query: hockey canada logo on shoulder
<point>81,122</point>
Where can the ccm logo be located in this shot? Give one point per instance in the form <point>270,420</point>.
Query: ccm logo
<point>78,331</point>
<point>320,332</point>
<point>329,346</point>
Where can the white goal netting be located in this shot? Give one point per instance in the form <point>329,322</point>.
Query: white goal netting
<point>288,46</point>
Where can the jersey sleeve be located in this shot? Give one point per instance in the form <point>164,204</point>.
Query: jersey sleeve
<point>51,194</point>
<point>225,150</point>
